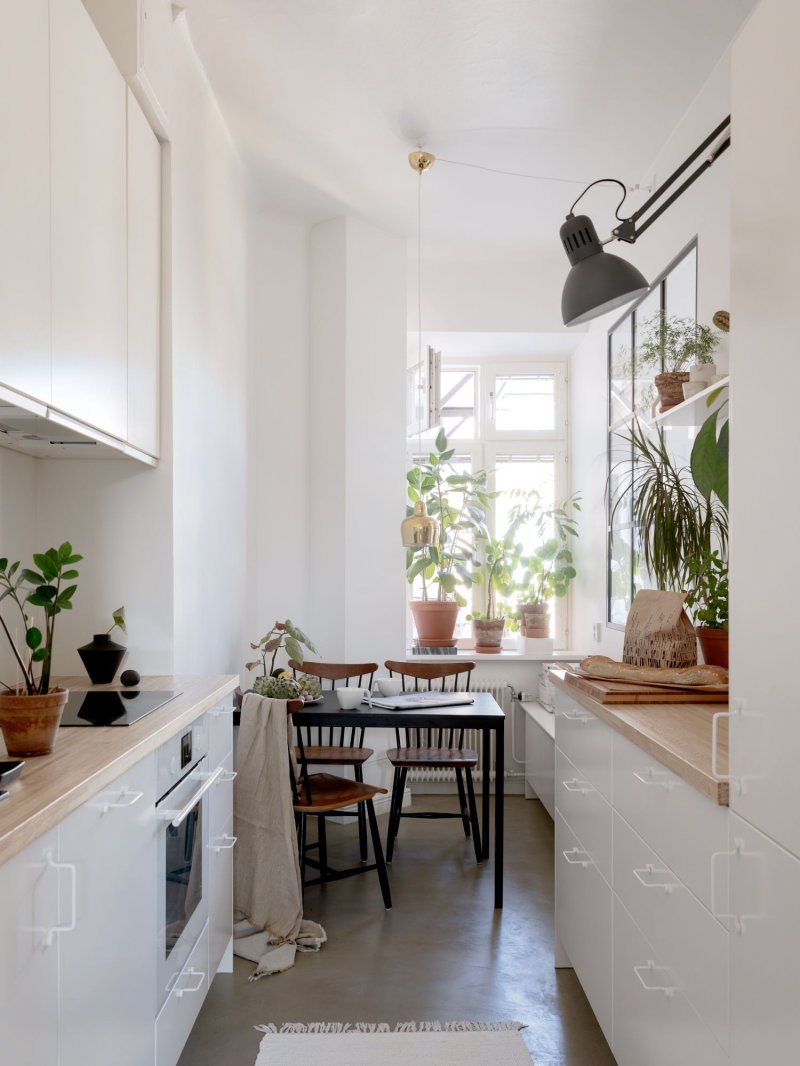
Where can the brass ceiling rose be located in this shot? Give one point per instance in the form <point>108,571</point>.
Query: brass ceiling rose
<point>419,530</point>
<point>421,161</point>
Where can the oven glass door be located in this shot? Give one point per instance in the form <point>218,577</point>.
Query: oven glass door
<point>183,874</point>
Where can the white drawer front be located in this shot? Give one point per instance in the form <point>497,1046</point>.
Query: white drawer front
<point>585,811</point>
<point>220,724</point>
<point>586,741</point>
<point>220,799</point>
<point>653,1021</point>
<point>690,941</point>
<point>179,1013</point>
<point>583,921</point>
<point>683,826</point>
<point>220,895</point>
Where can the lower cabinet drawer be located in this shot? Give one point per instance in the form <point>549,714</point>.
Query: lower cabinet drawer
<point>686,828</point>
<point>689,940</point>
<point>584,921</point>
<point>654,1023</point>
<point>179,1013</point>
<point>585,740</point>
<point>585,811</point>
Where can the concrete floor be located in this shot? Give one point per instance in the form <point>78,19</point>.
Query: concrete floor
<point>442,952</point>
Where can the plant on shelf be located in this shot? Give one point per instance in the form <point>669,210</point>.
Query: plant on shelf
<point>707,585</point>
<point>30,712</point>
<point>278,682</point>
<point>671,346</point>
<point>458,501</point>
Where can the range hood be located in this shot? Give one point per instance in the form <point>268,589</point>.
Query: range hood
<point>38,430</point>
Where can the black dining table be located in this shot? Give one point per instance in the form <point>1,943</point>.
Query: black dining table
<point>484,714</point>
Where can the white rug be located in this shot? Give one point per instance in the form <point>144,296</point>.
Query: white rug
<point>420,1043</point>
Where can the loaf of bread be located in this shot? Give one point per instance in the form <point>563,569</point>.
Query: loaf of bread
<point>602,666</point>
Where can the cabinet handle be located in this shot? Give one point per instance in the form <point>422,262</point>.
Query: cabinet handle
<point>668,990</point>
<point>576,716</point>
<point>220,712</point>
<point>224,847</point>
<point>226,777</point>
<point>127,798</point>
<point>576,862</point>
<point>192,988</point>
<point>72,870</point>
<point>577,786</point>
<point>652,779</point>
<point>738,849</point>
<point>714,726</point>
<point>649,870</point>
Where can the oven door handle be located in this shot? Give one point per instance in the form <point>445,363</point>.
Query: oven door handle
<point>176,817</point>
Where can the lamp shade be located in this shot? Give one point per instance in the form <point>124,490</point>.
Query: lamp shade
<point>597,281</point>
<point>419,530</point>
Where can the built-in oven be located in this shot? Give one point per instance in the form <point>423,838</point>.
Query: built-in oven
<point>182,812</point>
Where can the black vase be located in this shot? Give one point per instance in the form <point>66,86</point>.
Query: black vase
<point>102,658</point>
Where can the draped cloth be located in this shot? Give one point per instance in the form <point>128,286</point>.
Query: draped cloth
<point>267,894</point>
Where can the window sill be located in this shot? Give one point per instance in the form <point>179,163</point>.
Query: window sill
<point>506,655</point>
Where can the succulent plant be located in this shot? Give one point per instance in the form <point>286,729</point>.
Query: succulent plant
<point>277,688</point>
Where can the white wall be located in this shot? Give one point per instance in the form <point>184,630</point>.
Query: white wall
<point>17,530</point>
<point>703,211</point>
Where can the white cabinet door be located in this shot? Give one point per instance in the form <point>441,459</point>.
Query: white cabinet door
<point>108,964</point>
<point>28,959</point>
<point>87,105</point>
<point>144,280</point>
<point>221,842</point>
<point>25,197</point>
<point>765,947</point>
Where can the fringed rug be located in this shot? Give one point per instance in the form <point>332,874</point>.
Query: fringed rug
<point>420,1043</point>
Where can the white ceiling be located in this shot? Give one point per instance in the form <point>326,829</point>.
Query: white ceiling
<point>325,98</point>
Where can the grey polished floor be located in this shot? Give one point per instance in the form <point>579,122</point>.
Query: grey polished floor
<point>442,952</point>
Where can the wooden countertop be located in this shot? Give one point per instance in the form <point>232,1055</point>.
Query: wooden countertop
<point>85,761</point>
<point>677,734</point>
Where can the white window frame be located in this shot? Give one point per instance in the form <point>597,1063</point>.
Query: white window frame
<point>493,370</point>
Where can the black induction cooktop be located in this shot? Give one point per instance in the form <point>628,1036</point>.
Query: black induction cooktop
<point>112,708</point>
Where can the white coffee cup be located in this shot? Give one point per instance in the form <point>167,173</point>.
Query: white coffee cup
<point>351,697</point>
<point>389,686</point>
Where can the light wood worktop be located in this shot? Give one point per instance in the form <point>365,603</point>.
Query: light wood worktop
<point>677,734</point>
<point>86,760</point>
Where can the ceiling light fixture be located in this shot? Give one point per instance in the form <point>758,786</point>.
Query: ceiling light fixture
<point>599,281</point>
<point>419,530</point>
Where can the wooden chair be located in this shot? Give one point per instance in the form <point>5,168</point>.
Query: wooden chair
<point>433,749</point>
<point>337,745</point>
<point>324,794</point>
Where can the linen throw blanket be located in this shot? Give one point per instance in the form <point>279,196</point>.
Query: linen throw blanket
<point>268,900</point>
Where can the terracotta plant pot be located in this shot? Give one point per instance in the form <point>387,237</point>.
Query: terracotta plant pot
<point>535,620</point>
<point>714,645</point>
<point>487,634</point>
<point>30,723</point>
<point>670,388</point>
<point>102,658</point>
<point>435,621</point>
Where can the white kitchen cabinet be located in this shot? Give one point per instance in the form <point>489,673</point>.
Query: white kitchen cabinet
<point>221,841</point>
<point>25,197</point>
<point>144,280</point>
<point>88,177</point>
<point>29,885</point>
<point>540,755</point>
<point>107,964</point>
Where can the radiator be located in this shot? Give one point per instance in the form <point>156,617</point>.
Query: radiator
<point>473,738</point>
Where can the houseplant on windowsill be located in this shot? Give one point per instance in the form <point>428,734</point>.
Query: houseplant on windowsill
<point>501,560</point>
<point>672,346</point>
<point>31,711</point>
<point>548,570</point>
<point>458,501</point>
<point>708,599</point>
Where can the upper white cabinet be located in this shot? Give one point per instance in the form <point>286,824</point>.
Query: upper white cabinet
<point>88,177</point>
<point>25,198</point>
<point>144,280</point>
<point>137,33</point>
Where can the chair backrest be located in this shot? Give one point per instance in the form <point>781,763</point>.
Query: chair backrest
<point>362,674</point>
<point>298,768</point>
<point>428,674</point>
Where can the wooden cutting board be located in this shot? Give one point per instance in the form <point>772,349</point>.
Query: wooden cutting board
<point>627,692</point>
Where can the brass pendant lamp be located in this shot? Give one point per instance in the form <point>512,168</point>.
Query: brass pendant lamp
<point>419,530</point>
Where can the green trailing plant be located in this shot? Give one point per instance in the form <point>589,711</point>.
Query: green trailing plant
<point>708,590</point>
<point>670,344</point>
<point>709,459</point>
<point>459,502</point>
<point>48,588</point>
<point>117,621</point>
<point>675,521</point>
<point>284,635</point>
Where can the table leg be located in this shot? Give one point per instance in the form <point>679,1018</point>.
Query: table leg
<point>499,799</point>
<point>486,762</point>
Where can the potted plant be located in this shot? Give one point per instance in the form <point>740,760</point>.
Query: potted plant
<point>672,345</point>
<point>548,570</point>
<point>31,710</point>
<point>273,681</point>
<point>501,560</point>
<point>103,656</point>
<point>708,599</point>
<point>458,501</point>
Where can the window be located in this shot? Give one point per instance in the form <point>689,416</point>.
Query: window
<point>631,393</point>
<point>509,419</point>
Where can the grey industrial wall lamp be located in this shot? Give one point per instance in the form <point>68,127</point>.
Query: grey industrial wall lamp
<point>599,281</point>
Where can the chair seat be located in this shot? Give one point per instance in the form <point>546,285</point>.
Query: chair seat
<point>330,755</point>
<point>328,793</point>
<point>433,758</point>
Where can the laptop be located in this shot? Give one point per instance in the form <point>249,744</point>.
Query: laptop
<point>413,701</point>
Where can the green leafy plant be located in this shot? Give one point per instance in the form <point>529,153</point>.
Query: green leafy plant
<point>118,621</point>
<point>501,561</point>
<point>675,521</point>
<point>708,590</point>
<point>47,588</point>
<point>282,635</point>
<point>709,459</point>
<point>671,344</point>
<point>458,501</point>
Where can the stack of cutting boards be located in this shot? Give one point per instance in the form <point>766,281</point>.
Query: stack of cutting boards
<point>607,691</point>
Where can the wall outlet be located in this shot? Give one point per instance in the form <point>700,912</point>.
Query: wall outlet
<point>597,632</point>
